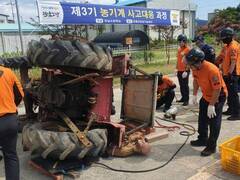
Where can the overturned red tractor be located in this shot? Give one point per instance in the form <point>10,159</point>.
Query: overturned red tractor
<point>68,109</point>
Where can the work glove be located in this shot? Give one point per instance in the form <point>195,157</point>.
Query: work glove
<point>211,111</point>
<point>161,94</point>
<point>175,72</point>
<point>164,92</point>
<point>194,100</point>
<point>184,74</point>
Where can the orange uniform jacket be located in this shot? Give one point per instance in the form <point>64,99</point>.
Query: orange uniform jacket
<point>228,53</point>
<point>167,82</point>
<point>182,51</point>
<point>11,92</point>
<point>209,78</point>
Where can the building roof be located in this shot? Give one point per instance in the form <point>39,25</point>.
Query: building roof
<point>120,37</point>
<point>4,15</point>
<point>129,2</point>
<point>8,27</point>
<point>201,22</point>
<point>162,4</point>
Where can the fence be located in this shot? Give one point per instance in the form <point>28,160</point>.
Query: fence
<point>10,42</point>
<point>141,55</point>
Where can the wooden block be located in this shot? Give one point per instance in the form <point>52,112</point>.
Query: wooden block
<point>152,137</point>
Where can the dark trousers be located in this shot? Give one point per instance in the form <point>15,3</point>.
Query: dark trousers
<point>214,123</point>
<point>167,99</point>
<point>184,88</point>
<point>28,102</point>
<point>233,98</point>
<point>8,142</point>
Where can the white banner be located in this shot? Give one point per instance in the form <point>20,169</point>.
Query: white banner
<point>50,13</point>
<point>175,17</point>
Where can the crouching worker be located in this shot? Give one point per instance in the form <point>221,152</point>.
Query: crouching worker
<point>11,94</point>
<point>208,77</point>
<point>165,92</point>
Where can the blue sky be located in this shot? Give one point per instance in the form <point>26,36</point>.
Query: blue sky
<point>28,7</point>
<point>206,6</point>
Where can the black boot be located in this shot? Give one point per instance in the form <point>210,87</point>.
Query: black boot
<point>198,143</point>
<point>227,112</point>
<point>208,151</point>
<point>234,118</point>
<point>185,103</point>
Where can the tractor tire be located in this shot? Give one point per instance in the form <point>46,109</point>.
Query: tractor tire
<point>89,56</point>
<point>16,62</point>
<point>45,54</point>
<point>66,51</point>
<point>33,46</point>
<point>60,53</point>
<point>104,55</point>
<point>61,145</point>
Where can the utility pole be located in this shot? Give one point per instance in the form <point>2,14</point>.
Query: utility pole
<point>11,3</point>
<point>19,26</point>
<point>189,16</point>
<point>38,16</point>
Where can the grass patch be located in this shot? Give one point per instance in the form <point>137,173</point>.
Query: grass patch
<point>151,68</point>
<point>157,55</point>
<point>116,81</point>
<point>158,66</point>
<point>34,73</point>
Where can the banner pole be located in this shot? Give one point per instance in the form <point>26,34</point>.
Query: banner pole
<point>19,26</point>
<point>38,11</point>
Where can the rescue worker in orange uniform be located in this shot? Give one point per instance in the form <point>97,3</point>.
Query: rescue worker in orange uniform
<point>11,94</point>
<point>165,92</point>
<point>209,51</point>
<point>182,69</point>
<point>229,59</point>
<point>214,91</point>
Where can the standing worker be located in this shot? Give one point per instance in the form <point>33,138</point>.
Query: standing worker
<point>209,51</point>
<point>208,77</point>
<point>229,58</point>
<point>11,94</point>
<point>165,92</point>
<point>182,70</point>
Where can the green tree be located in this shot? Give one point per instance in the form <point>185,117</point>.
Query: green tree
<point>64,31</point>
<point>229,17</point>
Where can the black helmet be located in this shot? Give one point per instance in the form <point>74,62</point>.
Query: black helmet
<point>182,37</point>
<point>194,56</point>
<point>198,38</point>
<point>226,33</point>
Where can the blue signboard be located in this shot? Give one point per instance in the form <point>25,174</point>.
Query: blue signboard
<point>75,13</point>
